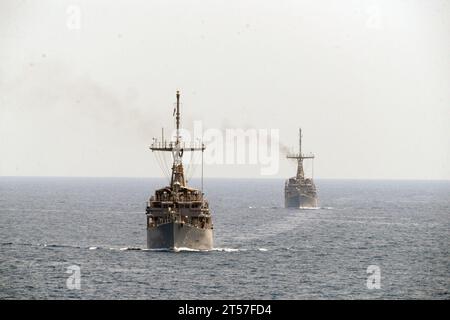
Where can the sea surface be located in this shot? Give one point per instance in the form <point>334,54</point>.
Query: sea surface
<point>50,226</point>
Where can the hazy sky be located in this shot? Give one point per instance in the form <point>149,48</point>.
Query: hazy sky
<point>85,85</point>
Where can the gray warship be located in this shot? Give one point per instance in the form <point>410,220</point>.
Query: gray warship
<point>300,192</point>
<point>178,216</point>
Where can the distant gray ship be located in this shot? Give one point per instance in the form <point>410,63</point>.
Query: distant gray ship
<point>178,216</point>
<point>300,192</point>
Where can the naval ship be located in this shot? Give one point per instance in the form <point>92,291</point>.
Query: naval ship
<point>178,216</point>
<point>300,192</point>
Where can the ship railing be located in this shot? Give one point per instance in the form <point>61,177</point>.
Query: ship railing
<point>300,156</point>
<point>165,145</point>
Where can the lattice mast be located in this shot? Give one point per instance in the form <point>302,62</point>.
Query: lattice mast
<point>300,157</point>
<point>177,148</point>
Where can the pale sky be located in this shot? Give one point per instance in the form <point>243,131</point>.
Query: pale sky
<point>368,82</point>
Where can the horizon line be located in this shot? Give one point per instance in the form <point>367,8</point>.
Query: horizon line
<point>225,178</point>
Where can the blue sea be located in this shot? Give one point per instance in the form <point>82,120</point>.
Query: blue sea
<point>262,250</point>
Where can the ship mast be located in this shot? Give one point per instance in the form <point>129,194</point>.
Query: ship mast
<point>177,149</point>
<point>300,172</point>
<point>299,157</point>
<point>178,117</point>
<point>177,152</point>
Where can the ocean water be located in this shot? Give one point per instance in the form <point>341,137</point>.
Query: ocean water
<point>262,250</point>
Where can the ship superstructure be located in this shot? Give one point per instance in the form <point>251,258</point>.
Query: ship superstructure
<point>178,216</point>
<point>300,192</point>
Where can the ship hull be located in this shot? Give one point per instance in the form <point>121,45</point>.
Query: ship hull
<point>300,201</point>
<point>179,235</point>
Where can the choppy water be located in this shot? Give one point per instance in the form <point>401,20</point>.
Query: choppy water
<point>262,250</point>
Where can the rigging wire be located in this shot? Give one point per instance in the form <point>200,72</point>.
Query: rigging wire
<point>192,165</point>
<point>166,165</point>
<point>162,164</point>
<point>189,166</point>
<point>158,161</point>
